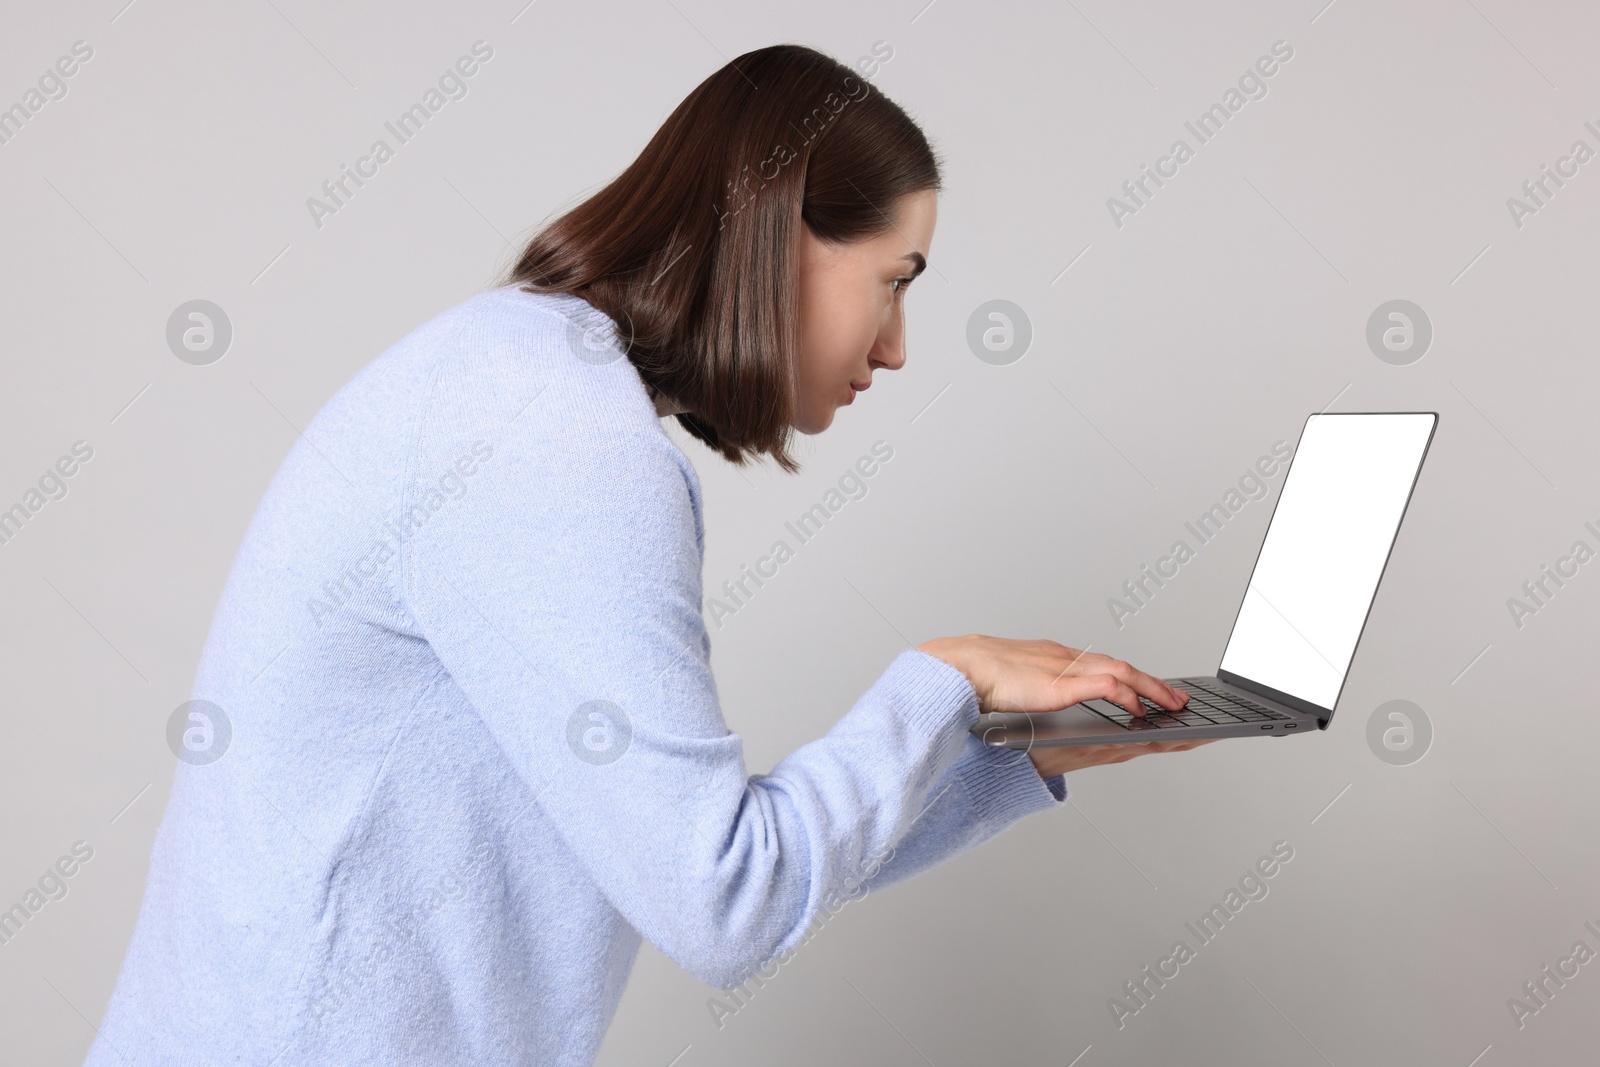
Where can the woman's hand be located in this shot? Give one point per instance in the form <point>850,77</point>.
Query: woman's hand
<point>1035,676</point>
<point>1059,759</point>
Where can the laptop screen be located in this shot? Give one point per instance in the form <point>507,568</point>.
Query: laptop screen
<point>1325,549</point>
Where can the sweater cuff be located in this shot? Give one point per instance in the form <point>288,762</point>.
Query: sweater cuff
<point>931,696</point>
<point>1004,786</point>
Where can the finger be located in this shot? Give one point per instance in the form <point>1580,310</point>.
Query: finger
<point>1122,750</point>
<point>1148,685</point>
<point>1117,682</point>
<point>1144,686</point>
<point>1158,690</point>
<point>1184,746</point>
<point>1098,687</point>
<point>1124,695</point>
<point>1141,748</point>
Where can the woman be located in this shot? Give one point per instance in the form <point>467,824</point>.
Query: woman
<point>476,750</point>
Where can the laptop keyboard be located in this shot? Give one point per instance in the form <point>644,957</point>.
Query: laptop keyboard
<point>1207,706</point>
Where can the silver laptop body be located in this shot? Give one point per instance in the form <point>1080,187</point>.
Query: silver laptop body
<point>1310,593</point>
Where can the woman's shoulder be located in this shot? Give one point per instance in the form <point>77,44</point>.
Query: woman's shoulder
<point>519,310</point>
<point>530,399</point>
<point>555,332</point>
<point>508,354</point>
<point>546,370</point>
<point>501,356</point>
<point>552,339</point>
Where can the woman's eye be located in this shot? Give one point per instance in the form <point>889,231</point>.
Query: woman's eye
<point>900,285</point>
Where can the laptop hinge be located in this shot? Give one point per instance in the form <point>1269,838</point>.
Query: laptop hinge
<point>1305,707</point>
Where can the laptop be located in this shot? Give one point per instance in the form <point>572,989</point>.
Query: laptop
<point>1307,601</point>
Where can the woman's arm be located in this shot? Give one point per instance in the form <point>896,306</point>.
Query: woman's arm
<point>562,595</point>
<point>987,789</point>
<point>561,592</point>
<point>983,792</point>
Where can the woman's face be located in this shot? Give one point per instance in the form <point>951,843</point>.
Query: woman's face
<point>852,308</point>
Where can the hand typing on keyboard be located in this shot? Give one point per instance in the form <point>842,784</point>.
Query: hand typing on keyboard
<point>1207,705</point>
<point>1043,675</point>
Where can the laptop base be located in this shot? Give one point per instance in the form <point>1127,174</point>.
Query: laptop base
<point>1096,722</point>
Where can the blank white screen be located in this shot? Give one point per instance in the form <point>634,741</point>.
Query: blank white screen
<point>1336,519</point>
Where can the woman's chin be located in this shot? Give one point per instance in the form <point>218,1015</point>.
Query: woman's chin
<point>812,423</point>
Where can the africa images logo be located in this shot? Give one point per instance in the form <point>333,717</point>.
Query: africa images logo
<point>739,192</point>
<point>451,85</point>
<point>1252,85</point>
<point>1252,886</point>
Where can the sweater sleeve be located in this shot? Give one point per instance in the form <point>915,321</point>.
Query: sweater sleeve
<point>563,598</point>
<point>982,793</point>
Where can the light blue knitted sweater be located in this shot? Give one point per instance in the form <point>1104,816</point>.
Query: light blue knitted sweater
<point>473,747</point>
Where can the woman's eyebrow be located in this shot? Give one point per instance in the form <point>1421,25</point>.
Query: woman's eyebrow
<point>918,263</point>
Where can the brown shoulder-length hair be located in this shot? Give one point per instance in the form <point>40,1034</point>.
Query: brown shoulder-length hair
<point>693,250</point>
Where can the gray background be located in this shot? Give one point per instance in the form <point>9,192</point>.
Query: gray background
<point>1188,341</point>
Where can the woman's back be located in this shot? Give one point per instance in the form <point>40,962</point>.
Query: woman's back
<point>364,822</point>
